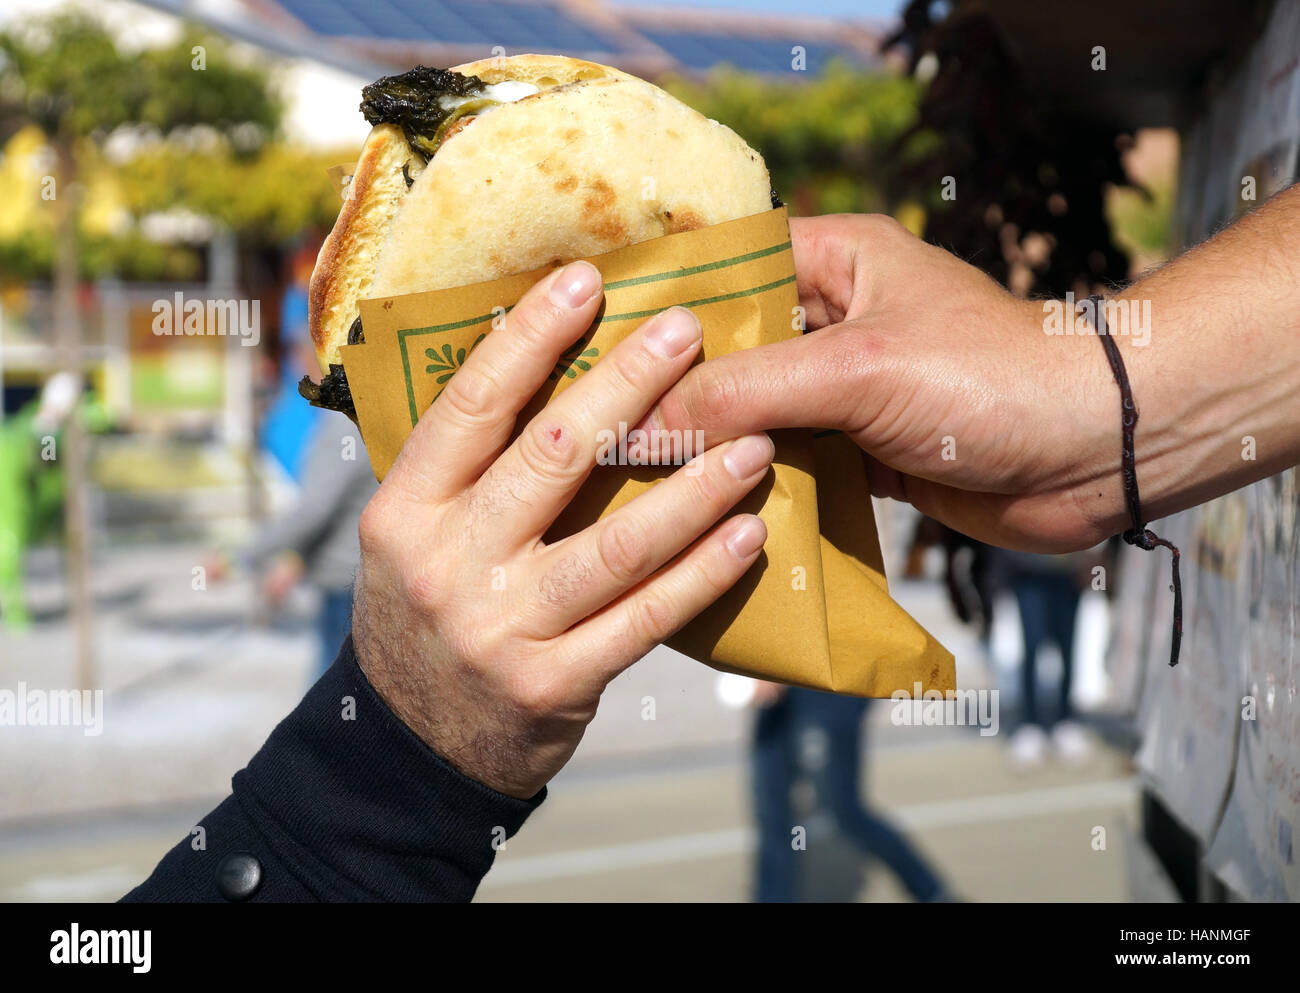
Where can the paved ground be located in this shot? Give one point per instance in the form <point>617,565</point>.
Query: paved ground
<point>648,810</point>
<point>685,835</point>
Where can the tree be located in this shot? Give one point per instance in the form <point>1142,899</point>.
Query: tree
<point>828,141</point>
<point>68,76</point>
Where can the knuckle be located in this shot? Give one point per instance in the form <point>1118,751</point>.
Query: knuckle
<point>713,488</point>
<point>717,392</point>
<point>716,581</point>
<point>532,696</point>
<point>377,525</point>
<point>425,588</point>
<point>636,369</point>
<point>473,652</point>
<point>624,550</point>
<point>849,355</point>
<point>548,451</point>
<point>470,393</point>
<point>534,322</point>
<point>652,618</point>
<point>880,226</point>
<point>484,643</point>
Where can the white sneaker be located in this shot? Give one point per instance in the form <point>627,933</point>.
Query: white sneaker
<point>1071,743</point>
<point>1028,747</point>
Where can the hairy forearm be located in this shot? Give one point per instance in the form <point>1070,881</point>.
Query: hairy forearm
<point>1218,384</point>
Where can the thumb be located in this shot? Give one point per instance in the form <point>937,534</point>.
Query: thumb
<point>817,380</point>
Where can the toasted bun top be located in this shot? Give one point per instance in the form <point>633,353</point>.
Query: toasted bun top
<point>596,161</point>
<point>543,71</point>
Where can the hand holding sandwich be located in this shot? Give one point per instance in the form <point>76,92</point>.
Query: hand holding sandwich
<point>491,645</point>
<point>967,409</point>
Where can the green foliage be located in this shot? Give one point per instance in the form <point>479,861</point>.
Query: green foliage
<point>829,142</point>
<point>205,142</point>
<point>66,74</point>
<point>270,196</point>
<point>234,99</point>
<point>30,255</point>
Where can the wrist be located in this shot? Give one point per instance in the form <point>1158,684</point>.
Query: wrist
<point>1075,486</point>
<point>1214,399</point>
<point>412,827</point>
<point>1139,448</point>
<point>463,733</point>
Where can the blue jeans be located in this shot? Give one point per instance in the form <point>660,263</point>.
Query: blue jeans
<point>332,626</point>
<point>777,731</point>
<point>1049,604</point>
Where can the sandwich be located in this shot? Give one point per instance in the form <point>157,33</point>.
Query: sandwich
<point>511,165</point>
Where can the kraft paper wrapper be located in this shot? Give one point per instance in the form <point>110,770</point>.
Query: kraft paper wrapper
<point>815,609</point>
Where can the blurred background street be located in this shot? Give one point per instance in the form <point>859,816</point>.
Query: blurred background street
<point>648,810</point>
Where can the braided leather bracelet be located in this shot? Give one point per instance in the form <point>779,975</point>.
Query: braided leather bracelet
<point>1138,534</point>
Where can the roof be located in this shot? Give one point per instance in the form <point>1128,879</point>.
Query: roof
<point>508,23</point>
<point>647,41</point>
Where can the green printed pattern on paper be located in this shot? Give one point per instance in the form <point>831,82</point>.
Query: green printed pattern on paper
<point>445,361</point>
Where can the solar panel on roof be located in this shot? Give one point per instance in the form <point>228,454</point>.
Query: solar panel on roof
<point>326,17</point>
<point>514,26</point>
<point>443,21</point>
<point>769,55</point>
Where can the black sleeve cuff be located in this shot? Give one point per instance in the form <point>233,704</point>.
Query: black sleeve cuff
<point>344,802</point>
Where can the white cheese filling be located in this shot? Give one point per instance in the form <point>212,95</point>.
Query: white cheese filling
<point>506,92</point>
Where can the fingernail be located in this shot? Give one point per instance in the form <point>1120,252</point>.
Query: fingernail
<point>577,283</point>
<point>747,538</point>
<point>745,456</point>
<point>672,332</point>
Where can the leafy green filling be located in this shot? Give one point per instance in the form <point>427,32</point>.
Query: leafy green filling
<point>412,101</point>
<point>331,393</point>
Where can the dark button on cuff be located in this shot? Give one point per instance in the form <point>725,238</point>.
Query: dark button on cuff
<point>239,876</point>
